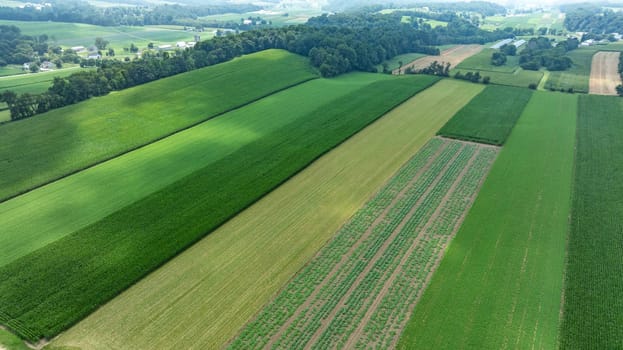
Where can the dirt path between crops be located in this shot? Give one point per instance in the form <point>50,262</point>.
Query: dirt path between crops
<point>352,249</point>
<point>370,264</point>
<point>454,56</point>
<point>604,73</point>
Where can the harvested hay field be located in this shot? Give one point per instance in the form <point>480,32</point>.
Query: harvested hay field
<point>454,56</point>
<point>604,75</point>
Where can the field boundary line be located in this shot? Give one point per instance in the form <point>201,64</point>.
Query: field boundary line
<point>160,138</point>
<point>380,252</point>
<point>354,247</point>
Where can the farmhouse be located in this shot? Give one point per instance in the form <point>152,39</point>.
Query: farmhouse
<point>181,44</point>
<point>165,47</point>
<point>78,49</point>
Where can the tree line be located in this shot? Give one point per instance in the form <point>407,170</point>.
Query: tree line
<point>78,11</point>
<point>16,48</point>
<point>335,44</point>
<point>593,19</point>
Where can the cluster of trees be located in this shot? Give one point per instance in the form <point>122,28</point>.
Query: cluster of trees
<point>78,11</point>
<point>335,44</point>
<point>620,86</point>
<point>540,52</point>
<point>498,58</point>
<point>593,19</point>
<point>16,48</point>
<point>435,68</point>
<point>473,77</point>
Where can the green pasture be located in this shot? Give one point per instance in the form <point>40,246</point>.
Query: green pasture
<point>488,117</point>
<point>33,82</point>
<point>532,20</point>
<point>500,282</point>
<point>593,309</point>
<point>9,341</point>
<point>39,217</point>
<point>78,34</point>
<point>11,69</point>
<point>52,288</point>
<point>69,139</point>
<point>265,245</point>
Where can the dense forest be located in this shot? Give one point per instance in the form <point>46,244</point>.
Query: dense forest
<point>594,20</point>
<point>78,11</point>
<point>16,48</point>
<point>335,44</point>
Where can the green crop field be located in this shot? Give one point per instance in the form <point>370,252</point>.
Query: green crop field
<point>11,69</point>
<point>34,82</point>
<point>41,216</point>
<point>482,62</point>
<point>500,282</point>
<point>394,63</point>
<point>537,20</point>
<point>9,341</point>
<point>69,139</point>
<point>78,34</point>
<point>52,288</point>
<point>593,310</point>
<point>490,116</point>
<point>268,243</point>
<point>364,281</point>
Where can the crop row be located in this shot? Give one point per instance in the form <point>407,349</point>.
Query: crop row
<point>258,332</point>
<point>364,262</point>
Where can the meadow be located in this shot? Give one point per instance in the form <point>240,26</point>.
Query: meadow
<point>533,20</point>
<point>394,63</point>
<point>50,289</point>
<point>69,35</point>
<point>500,282</point>
<point>9,341</point>
<point>265,245</point>
<point>364,281</point>
<point>490,116</point>
<point>70,139</point>
<point>482,62</point>
<point>41,216</point>
<point>593,309</point>
<point>33,83</point>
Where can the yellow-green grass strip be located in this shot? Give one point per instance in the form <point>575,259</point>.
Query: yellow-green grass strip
<point>593,310</point>
<point>41,149</point>
<point>499,285</point>
<point>9,341</point>
<point>41,216</point>
<point>204,296</point>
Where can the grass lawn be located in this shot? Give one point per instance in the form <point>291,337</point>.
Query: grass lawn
<point>500,282</point>
<point>593,310</point>
<point>195,296</point>
<point>49,146</point>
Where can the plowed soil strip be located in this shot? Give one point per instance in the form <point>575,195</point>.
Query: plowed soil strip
<point>604,74</point>
<point>454,56</point>
<point>346,256</point>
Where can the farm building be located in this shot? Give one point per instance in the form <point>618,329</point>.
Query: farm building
<point>501,43</point>
<point>518,43</point>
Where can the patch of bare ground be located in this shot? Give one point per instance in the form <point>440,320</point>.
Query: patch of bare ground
<point>350,252</point>
<point>454,56</point>
<point>342,303</point>
<point>604,73</point>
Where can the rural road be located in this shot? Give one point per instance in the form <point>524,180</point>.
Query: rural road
<point>604,75</point>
